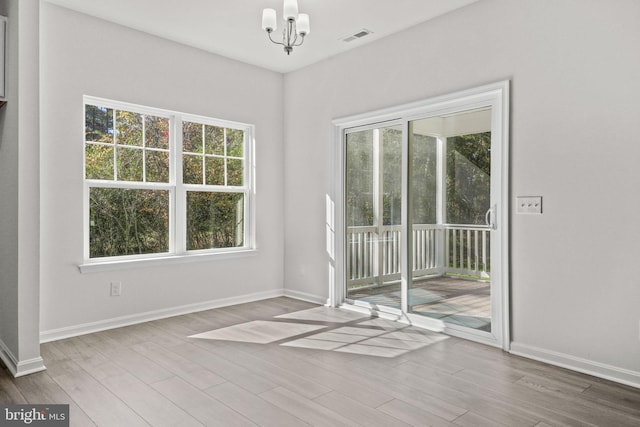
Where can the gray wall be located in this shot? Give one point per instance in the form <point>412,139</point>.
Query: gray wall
<point>575,130</point>
<point>19,192</point>
<point>85,56</point>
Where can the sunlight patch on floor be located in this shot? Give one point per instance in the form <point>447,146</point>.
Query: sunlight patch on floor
<point>330,329</point>
<point>259,332</point>
<point>368,341</point>
<point>324,314</point>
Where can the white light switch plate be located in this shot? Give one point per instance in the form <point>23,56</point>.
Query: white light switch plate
<point>116,289</point>
<point>529,204</point>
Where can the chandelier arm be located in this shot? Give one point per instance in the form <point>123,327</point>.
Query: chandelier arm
<point>272,40</point>
<point>301,41</point>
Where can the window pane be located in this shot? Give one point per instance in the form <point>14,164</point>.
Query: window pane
<point>359,178</point>
<point>98,124</point>
<point>214,140</point>
<point>215,170</point>
<point>129,164</point>
<point>391,177</point>
<point>215,220</point>
<point>128,222</point>
<point>129,127</point>
<point>424,177</point>
<point>192,169</point>
<point>235,142</point>
<point>468,178</point>
<point>99,161</point>
<point>234,172</point>
<point>192,137</point>
<point>156,132</point>
<point>157,166</point>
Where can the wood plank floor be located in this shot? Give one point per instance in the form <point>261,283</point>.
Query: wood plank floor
<point>283,362</point>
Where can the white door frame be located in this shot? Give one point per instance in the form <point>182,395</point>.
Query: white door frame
<point>496,96</point>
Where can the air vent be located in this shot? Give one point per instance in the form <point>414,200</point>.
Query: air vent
<point>357,35</point>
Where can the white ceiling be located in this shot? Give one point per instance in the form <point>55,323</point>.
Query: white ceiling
<point>232,28</point>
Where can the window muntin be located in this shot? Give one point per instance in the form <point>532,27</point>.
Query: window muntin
<point>161,183</point>
<point>126,146</point>
<point>212,155</point>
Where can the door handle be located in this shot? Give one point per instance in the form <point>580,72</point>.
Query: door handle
<point>489,217</point>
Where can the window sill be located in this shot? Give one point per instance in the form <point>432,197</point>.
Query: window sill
<point>91,267</point>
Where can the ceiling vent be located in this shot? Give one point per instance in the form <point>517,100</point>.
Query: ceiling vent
<point>357,35</point>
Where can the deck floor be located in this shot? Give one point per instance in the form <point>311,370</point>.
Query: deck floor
<point>452,300</point>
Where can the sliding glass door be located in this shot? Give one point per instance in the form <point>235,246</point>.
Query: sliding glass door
<point>424,205</point>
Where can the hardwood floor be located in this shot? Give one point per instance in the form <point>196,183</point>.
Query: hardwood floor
<point>283,362</point>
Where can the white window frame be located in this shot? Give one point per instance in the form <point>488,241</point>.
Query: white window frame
<point>177,252</point>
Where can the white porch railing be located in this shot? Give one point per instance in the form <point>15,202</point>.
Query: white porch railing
<point>467,250</point>
<point>373,254</point>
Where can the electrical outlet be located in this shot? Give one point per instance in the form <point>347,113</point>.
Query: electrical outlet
<point>116,289</point>
<point>529,204</point>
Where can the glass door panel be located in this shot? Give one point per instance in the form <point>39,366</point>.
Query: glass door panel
<point>450,187</point>
<point>373,198</point>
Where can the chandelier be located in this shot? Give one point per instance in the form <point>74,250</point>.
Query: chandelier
<point>296,27</point>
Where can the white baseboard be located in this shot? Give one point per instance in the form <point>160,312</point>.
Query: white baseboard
<point>118,322</point>
<point>304,296</point>
<point>590,367</point>
<point>22,367</point>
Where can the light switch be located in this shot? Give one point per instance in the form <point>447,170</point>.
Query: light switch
<point>529,204</point>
